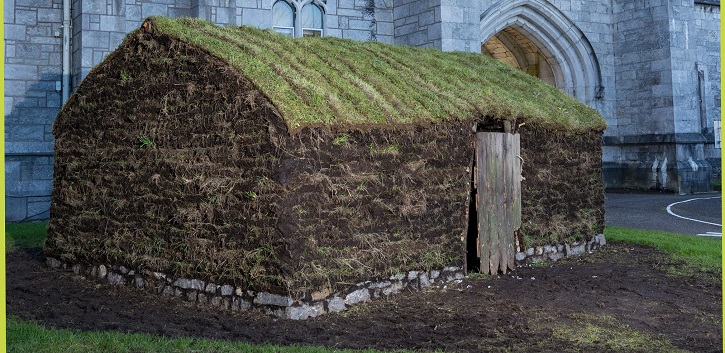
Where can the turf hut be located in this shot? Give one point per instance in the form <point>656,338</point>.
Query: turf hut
<point>236,167</point>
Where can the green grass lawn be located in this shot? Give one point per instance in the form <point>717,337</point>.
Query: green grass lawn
<point>25,235</point>
<point>702,254</point>
<point>25,336</point>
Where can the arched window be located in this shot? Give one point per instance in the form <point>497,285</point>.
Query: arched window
<point>294,20</point>
<point>283,18</point>
<point>311,21</point>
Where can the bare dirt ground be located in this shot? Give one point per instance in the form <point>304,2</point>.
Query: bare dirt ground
<point>590,303</point>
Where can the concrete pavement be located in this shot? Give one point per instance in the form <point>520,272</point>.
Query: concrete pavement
<point>699,214</point>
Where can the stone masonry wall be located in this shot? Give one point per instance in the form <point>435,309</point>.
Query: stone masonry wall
<point>364,20</point>
<point>32,99</point>
<point>460,25</point>
<point>660,142</point>
<point>100,26</point>
<point>643,68</point>
<point>418,23</point>
<point>707,38</point>
<point>683,54</point>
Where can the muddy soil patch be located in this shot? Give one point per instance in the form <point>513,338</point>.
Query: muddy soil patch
<point>622,288</point>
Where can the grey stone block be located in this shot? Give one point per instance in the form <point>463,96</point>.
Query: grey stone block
<point>252,4</point>
<point>352,13</point>
<point>30,188</point>
<point>116,279</point>
<point>92,7</point>
<point>556,256</point>
<point>394,288</point>
<point>358,296</point>
<point>260,18</point>
<point>27,102</point>
<point>21,72</point>
<point>16,209</point>
<point>272,299</point>
<point>38,211</point>
<point>345,4</point>
<point>15,32</point>
<point>148,9</point>
<point>240,304</point>
<point>191,296</point>
<point>173,12</point>
<point>384,15</point>
<point>356,34</point>
<point>113,23</point>
<point>424,281</point>
<point>53,100</point>
<point>360,24</point>
<point>34,3</point>
<point>139,281</point>
<point>102,271</point>
<point>26,17</point>
<point>336,305</point>
<point>382,284</point>
<point>405,30</point>
<point>193,284</point>
<point>401,11</point>
<point>384,28</point>
<point>28,132</point>
<point>304,312</point>
<point>133,11</point>
<point>50,15</point>
<point>225,16</point>
<point>418,38</point>
<point>95,39</point>
<point>227,290</point>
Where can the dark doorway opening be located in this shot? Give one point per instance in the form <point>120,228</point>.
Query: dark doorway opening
<point>473,262</point>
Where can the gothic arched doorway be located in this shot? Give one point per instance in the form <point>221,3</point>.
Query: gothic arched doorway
<point>536,37</point>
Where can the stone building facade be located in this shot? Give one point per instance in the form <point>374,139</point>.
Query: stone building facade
<point>651,67</point>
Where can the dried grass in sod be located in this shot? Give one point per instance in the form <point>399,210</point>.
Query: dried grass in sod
<point>239,156</point>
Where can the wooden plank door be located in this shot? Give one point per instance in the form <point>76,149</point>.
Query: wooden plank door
<point>498,165</point>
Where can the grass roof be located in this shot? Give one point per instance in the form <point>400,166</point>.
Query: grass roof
<point>338,82</point>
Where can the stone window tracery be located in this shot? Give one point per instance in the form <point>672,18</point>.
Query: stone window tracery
<point>298,18</point>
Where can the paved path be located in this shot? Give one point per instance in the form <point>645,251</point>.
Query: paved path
<point>699,214</point>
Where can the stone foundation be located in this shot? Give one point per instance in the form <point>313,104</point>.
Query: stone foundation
<point>228,297</point>
<point>557,252</point>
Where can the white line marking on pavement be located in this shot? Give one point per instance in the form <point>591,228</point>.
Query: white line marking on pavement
<point>710,234</point>
<point>669,210</point>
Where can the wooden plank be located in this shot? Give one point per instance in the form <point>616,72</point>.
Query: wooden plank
<point>516,194</point>
<point>495,166</point>
<point>506,231</point>
<point>483,205</point>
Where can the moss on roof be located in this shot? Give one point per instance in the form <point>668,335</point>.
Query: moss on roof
<point>338,82</point>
